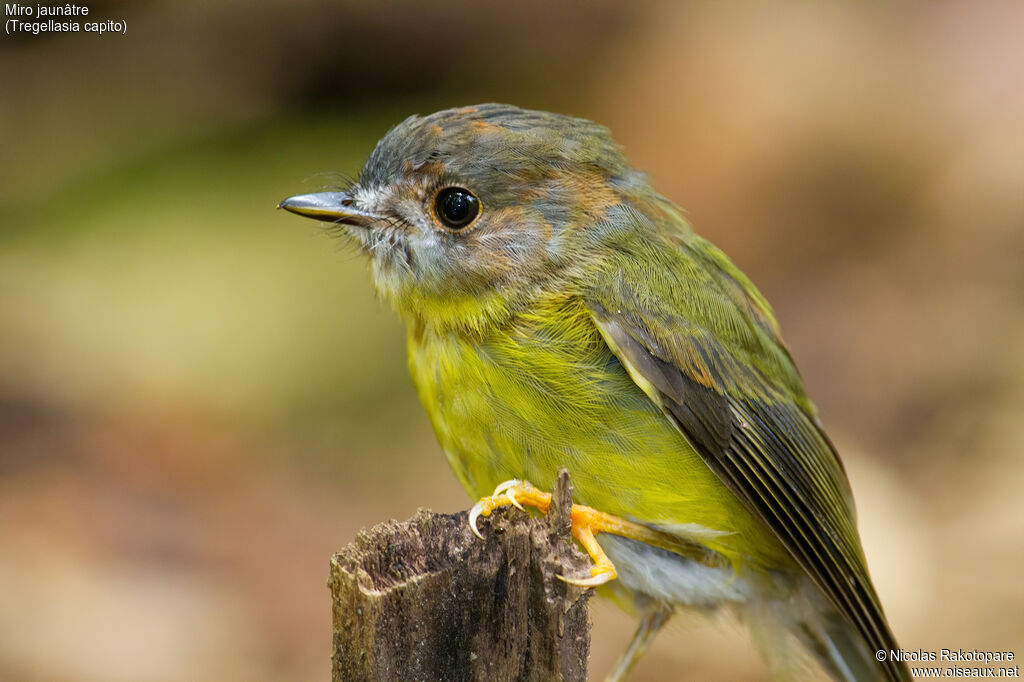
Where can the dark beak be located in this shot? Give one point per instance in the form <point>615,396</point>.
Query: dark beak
<point>335,207</point>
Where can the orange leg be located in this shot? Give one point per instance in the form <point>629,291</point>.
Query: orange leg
<point>586,521</point>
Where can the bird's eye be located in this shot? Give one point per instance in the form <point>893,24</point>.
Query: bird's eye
<point>456,207</point>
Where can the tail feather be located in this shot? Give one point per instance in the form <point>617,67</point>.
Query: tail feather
<point>843,653</point>
<point>806,627</point>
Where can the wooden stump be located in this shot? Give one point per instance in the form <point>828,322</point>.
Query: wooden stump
<point>427,600</point>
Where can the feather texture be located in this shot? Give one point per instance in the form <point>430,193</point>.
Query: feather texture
<point>713,360</point>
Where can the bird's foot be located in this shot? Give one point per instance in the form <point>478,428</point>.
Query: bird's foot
<point>586,522</point>
<point>509,492</point>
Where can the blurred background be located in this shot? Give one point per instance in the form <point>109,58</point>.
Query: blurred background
<point>201,399</point>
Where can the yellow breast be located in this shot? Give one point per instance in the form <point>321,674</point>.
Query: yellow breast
<point>547,391</point>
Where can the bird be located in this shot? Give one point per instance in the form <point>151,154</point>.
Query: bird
<point>559,311</point>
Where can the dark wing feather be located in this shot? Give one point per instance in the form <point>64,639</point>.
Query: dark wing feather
<point>707,350</point>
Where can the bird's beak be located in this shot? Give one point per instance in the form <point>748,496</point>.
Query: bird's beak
<point>335,207</point>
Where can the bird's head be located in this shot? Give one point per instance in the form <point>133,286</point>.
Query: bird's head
<point>467,213</point>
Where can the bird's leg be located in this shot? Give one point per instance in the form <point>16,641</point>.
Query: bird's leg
<point>649,626</point>
<point>586,521</point>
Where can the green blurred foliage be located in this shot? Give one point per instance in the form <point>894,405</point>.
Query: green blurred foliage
<point>168,276</point>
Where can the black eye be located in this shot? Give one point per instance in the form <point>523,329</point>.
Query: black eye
<point>456,207</point>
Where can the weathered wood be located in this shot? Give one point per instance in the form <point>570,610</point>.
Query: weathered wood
<point>427,600</point>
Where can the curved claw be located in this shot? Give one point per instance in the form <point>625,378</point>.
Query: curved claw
<point>474,514</point>
<point>593,581</point>
<point>510,493</point>
<point>505,485</point>
<point>586,521</point>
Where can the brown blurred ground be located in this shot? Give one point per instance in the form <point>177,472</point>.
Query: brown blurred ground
<point>200,399</point>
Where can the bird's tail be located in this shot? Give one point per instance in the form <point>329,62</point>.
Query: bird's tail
<point>841,650</point>
<point>843,653</point>
<point>829,638</point>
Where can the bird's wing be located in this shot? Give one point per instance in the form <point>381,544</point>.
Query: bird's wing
<point>699,339</point>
